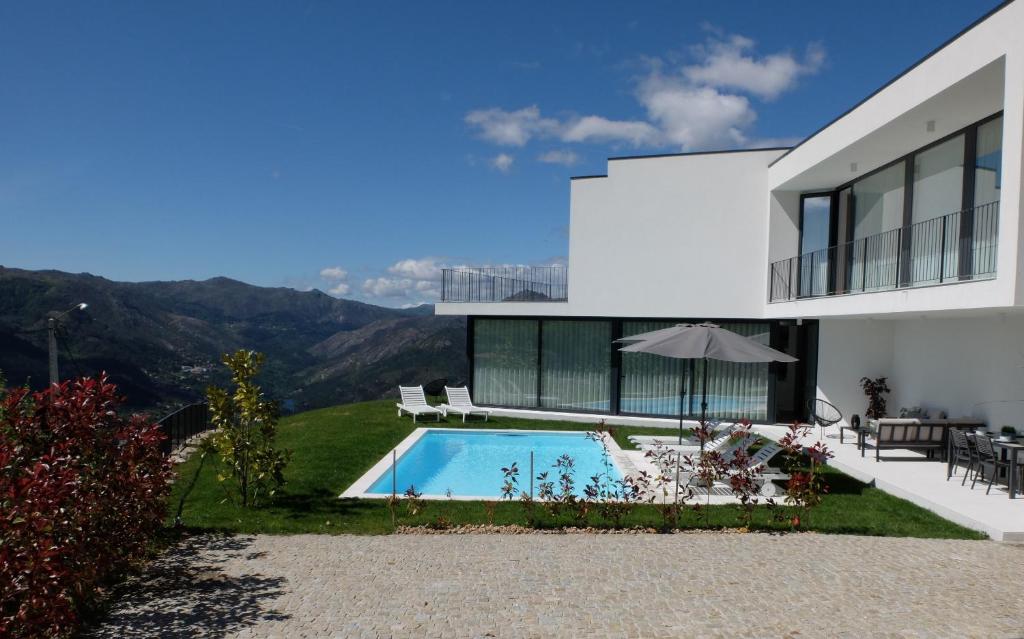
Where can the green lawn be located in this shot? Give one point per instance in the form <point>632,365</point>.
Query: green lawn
<point>333,447</point>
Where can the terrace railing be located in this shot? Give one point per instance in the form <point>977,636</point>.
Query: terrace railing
<point>956,247</point>
<point>184,424</point>
<point>505,284</point>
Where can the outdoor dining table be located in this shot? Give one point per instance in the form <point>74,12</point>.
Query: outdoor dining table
<point>1012,450</point>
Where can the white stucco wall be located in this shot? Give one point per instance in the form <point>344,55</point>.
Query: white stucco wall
<point>967,367</point>
<point>679,236</point>
<point>847,351</point>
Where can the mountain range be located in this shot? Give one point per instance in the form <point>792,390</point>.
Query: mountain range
<point>161,342</point>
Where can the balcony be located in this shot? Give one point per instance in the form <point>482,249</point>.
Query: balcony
<point>957,247</point>
<point>505,284</point>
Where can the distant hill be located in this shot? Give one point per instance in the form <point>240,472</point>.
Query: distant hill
<point>161,341</point>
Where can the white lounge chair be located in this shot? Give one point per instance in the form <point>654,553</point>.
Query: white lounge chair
<point>719,443</point>
<point>671,439</point>
<point>414,402</point>
<point>768,475</point>
<point>460,403</point>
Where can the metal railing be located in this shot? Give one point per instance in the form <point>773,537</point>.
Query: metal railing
<point>955,247</point>
<point>184,424</point>
<point>505,284</point>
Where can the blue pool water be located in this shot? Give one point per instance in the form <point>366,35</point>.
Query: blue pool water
<point>469,463</point>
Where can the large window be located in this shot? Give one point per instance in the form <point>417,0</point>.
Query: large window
<point>988,174</point>
<point>815,231</point>
<point>571,362</point>
<point>878,202</point>
<point>938,196</point>
<point>576,365</point>
<point>505,362</point>
<point>650,383</point>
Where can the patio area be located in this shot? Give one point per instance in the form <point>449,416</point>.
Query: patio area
<point>910,475</point>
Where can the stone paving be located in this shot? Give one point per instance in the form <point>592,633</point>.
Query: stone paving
<point>686,585</point>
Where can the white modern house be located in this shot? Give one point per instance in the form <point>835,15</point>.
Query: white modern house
<point>888,243</point>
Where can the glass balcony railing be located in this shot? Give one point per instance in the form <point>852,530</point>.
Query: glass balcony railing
<point>505,284</point>
<point>956,247</point>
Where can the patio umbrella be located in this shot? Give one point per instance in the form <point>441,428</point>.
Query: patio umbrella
<point>701,341</point>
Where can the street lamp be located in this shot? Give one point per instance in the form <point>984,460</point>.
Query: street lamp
<point>51,324</point>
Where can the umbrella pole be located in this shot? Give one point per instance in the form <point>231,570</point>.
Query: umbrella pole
<point>704,404</point>
<point>682,391</point>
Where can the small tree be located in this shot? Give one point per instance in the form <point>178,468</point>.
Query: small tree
<point>246,426</point>
<point>874,389</point>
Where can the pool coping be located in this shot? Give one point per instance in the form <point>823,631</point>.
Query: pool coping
<point>359,487</point>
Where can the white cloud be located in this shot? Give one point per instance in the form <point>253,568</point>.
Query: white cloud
<point>559,156</point>
<point>333,273</point>
<point>695,117</point>
<point>594,128</point>
<point>727,63</point>
<point>422,269</point>
<point>337,280</point>
<point>701,105</point>
<point>339,289</point>
<point>502,162</point>
<point>387,286</point>
<point>510,128</point>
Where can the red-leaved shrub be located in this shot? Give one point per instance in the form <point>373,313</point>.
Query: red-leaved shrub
<point>82,491</point>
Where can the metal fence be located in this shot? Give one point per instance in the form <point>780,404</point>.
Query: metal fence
<point>505,284</point>
<point>954,247</point>
<point>184,424</point>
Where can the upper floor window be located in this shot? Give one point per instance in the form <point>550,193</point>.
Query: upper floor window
<point>939,180</point>
<point>988,162</point>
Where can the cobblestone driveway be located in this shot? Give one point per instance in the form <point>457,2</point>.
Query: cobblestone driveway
<point>707,585</point>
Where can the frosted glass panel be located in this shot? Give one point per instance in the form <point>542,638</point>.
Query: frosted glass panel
<point>650,383</point>
<point>735,390</point>
<point>505,362</point>
<point>575,365</point>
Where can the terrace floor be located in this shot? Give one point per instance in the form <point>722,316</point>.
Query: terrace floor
<point>546,585</point>
<point>906,474</point>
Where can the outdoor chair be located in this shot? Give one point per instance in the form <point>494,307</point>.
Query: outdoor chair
<point>460,403</point>
<point>823,414</point>
<point>414,402</point>
<point>961,451</point>
<point>989,463</point>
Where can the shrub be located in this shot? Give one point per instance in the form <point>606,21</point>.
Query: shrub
<point>82,491</point>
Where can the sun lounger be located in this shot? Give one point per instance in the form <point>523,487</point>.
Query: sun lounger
<point>460,403</point>
<point>414,402</point>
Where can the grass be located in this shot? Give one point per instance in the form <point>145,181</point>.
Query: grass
<point>333,447</point>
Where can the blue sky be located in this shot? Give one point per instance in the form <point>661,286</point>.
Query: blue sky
<point>357,147</point>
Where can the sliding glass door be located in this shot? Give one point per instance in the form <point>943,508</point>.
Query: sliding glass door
<point>505,362</point>
<point>816,230</point>
<point>575,369</point>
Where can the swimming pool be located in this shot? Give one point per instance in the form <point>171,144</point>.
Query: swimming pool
<point>468,463</point>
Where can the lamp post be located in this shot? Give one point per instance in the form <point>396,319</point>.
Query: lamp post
<point>51,325</point>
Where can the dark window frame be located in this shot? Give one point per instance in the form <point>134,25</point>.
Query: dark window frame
<point>808,362</point>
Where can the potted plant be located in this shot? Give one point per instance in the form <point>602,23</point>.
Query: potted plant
<point>1009,433</point>
<point>874,389</point>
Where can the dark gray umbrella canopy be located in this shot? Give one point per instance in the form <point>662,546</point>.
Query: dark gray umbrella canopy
<point>701,341</point>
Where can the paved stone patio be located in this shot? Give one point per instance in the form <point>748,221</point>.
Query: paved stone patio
<point>693,585</point>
